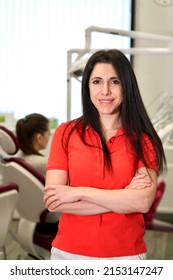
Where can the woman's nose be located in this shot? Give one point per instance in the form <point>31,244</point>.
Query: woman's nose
<point>106,89</point>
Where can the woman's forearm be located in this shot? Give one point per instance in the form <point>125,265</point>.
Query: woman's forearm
<point>90,201</point>
<point>79,208</point>
<point>122,201</point>
<point>136,197</point>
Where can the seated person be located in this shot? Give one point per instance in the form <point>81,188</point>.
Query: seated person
<point>33,133</point>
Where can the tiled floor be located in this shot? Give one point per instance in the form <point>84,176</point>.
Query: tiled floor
<point>159,244</point>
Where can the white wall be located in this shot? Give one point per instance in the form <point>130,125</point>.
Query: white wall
<point>155,73</point>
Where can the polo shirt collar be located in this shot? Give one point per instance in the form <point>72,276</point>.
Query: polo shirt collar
<point>119,132</point>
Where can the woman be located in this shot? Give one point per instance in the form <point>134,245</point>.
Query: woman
<point>33,133</point>
<point>103,167</point>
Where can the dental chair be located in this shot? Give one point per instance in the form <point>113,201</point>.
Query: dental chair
<point>37,227</point>
<point>8,201</point>
<point>151,223</point>
<point>8,142</point>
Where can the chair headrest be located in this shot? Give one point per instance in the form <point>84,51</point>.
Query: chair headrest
<point>8,141</point>
<point>28,167</point>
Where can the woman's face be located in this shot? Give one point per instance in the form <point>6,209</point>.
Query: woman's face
<point>43,139</point>
<point>105,89</point>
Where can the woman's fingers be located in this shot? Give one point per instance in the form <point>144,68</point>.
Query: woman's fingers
<point>140,181</point>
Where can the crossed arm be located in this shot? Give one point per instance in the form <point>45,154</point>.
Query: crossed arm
<point>135,197</point>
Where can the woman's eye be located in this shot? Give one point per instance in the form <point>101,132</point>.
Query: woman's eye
<point>116,81</point>
<point>96,82</point>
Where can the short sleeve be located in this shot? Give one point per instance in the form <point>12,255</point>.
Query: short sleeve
<point>149,154</point>
<point>58,157</point>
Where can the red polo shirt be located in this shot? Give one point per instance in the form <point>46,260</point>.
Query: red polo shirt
<point>103,235</point>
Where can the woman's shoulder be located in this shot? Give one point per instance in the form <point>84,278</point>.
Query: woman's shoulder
<point>66,126</point>
<point>34,158</point>
<point>37,161</point>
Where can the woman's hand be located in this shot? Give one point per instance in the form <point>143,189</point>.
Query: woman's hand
<point>55,195</point>
<point>140,181</point>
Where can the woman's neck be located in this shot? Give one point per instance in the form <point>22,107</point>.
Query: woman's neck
<point>110,125</point>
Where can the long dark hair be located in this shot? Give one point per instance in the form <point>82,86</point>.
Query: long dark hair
<point>26,128</point>
<point>134,117</point>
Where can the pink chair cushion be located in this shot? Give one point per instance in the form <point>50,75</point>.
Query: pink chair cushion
<point>148,217</point>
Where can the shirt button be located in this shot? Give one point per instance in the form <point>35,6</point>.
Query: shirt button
<point>110,141</point>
